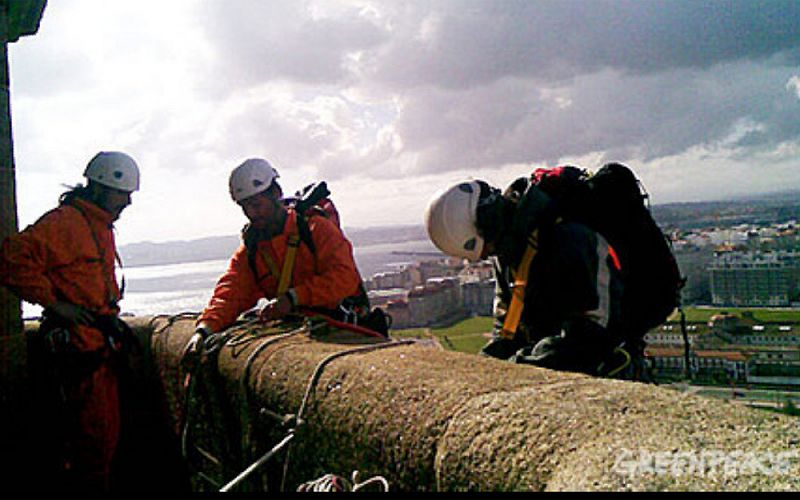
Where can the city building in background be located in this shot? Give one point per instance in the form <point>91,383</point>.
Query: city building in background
<point>747,279</point>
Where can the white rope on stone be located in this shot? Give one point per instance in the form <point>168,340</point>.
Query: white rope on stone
<point>334,483</point>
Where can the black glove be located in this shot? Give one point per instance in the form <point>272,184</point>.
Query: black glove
<point>377,320</point>
<point>119,334</point>
<point>194,348</point>
<point>501,348</point>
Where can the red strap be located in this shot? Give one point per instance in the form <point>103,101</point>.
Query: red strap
<point>341,324</point>
<point>614,257</point>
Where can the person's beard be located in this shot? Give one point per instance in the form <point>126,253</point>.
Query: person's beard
<point>264,229</point>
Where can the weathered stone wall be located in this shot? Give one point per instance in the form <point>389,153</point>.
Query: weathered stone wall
<point>428,419</point>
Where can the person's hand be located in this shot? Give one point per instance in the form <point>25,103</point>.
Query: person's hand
<point>276,309</point>
<point>191,353</point>
<point>71,314</point>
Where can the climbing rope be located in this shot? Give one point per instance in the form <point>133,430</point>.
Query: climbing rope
<point>342,325</point>
<point>626,355</point>
<point>308,327</point>
<point>298,419</point>
<point>243,335</point>
<point>312,384</point>
<point>171,319</point>
<point>332,482</point>
<point>238,336</point>
<point>687,359</point>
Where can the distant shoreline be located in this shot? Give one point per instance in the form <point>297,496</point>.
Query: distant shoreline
<point>221,248</point>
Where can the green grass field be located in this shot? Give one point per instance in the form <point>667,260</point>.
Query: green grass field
<point>468,335</point>
<point>465,336</point>
<point>703,314</point>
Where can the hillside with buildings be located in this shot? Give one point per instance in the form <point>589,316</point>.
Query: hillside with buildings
<point>742,265</point>
<point>730,349</point>
<point>758,210</point>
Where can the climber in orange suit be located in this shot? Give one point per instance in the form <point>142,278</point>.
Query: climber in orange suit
<point>65,262</point>
<point>320,278</point>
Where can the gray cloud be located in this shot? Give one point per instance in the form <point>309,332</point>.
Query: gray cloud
<point>487,83</point>
<point>476,42</point>
<point>703,96</point>
<point>628,117</point>
<point>478,84</point>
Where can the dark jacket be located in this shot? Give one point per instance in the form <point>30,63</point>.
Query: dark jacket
<point>572,302</point>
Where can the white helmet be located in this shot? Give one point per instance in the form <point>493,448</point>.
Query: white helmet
<point>452,220</point>
<point>251,177</point>
<point>113,169</point>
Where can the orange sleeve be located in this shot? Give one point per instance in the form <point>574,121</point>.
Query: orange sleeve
<point>337,276</point>
<point>25,258</point>
<point>236,291</point>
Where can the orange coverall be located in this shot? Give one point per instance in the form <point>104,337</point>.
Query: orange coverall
<point>58,259</point>
<point>322,279</point>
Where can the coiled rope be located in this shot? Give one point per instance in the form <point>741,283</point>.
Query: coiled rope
<point>332,482</point>
<point>243,335</point>
<point>240,335</point>
<point>299,420</point>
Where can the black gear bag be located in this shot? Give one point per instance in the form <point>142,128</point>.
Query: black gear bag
<point>614,203</point>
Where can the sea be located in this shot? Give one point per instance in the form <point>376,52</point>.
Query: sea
<point>187,287</point>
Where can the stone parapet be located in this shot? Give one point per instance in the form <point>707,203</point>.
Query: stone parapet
<point>433,420</point>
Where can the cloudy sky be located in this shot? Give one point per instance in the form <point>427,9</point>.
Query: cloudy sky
<point>389,101</point>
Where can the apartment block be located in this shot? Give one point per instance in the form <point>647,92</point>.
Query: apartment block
<point>743,279</point>
<point>478,297</point>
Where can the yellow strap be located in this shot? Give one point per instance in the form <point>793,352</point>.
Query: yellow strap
<point>514,313</point>
<point>288,263</point>
<point>273,269</point>
<point>623,365</point>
